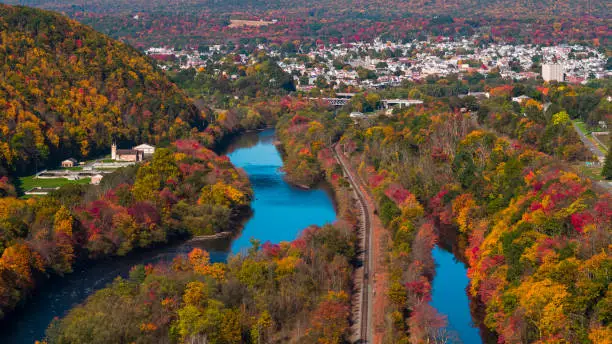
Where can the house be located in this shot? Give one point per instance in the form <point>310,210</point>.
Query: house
<point>477,95</point>
<point>126,154</point>
<point>146,149</point>
<point>520,99</point>
<point>96,179</point>
<point>71,162</point>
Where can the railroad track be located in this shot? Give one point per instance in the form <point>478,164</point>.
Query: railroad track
<point>363,312</point>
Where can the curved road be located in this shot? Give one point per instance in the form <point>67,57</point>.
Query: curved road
<point>589,144</point>
<point>363,304</point>
<point>601,156</point>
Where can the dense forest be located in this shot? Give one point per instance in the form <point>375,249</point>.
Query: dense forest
<point>297,291</point>
<point>535,234</point>
<point>69,91</point>
<point>224,83</point>
<point>184,191</point>
<point>505,178</point>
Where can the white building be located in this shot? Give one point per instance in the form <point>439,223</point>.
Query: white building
<point>520,99</point>
<point>552,72</point>
<point>148,150</point>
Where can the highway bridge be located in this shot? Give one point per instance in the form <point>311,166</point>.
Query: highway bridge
<point>343,98</point>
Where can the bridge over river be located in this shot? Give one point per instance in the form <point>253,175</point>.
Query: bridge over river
<point>343,99</point>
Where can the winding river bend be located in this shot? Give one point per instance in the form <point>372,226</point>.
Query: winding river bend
<point>450,298</point>
<point>280,211</point>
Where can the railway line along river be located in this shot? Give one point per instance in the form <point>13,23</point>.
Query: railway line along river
<point>280,212</point>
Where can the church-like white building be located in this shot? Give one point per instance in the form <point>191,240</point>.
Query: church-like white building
<point>135,154</point>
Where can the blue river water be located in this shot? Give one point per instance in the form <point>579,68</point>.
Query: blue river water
<point>280,212</point>
<point>450,298</point>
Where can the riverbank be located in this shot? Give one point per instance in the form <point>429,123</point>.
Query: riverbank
<point>138,207</point>
<point>275,198</point>
<point>412,264</point>
<point>371,276</point>
<point>278,212</point>
<point>60,297</point>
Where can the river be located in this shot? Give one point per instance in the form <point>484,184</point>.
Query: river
<point>280,212</point>
<point>449,297</point>
<point>449,291</point>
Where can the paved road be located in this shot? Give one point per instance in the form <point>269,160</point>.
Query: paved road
<point>589,144</point>
<point>601,156</point>
<point>362,316</point>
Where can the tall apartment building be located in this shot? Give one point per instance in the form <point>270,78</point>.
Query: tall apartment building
<point>552,72</point>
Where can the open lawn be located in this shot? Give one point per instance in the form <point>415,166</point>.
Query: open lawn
<point>26,183</point>
<point>240,23</point>
<point>591,172</point>
<point>586,129</point>
<point>583,127</point>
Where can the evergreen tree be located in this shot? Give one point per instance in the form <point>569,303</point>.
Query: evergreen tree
<point>606,172</point>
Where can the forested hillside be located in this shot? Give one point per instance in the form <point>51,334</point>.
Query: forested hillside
<point>193,22</point>
<point>68,91</point>
<point>183,191</point>
<point>294,292</point>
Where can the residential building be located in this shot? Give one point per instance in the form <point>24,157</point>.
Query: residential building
<point>552,72</point>
<point>520,99</point>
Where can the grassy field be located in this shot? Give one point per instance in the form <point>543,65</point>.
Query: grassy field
<point>586,129</point>
<point>583,127</point>
<point>29,182</point>
<point>591,172</point>
<point>240,23</point>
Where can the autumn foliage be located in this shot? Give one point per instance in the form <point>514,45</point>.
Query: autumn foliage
<point>138,207</point>
<point>296,290</point>
<point>69,91</point>
<point>536,234</point>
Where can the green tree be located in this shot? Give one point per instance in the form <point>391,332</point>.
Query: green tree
<point>195,323</point>
<point>259,331</point>
<point>606,172</point>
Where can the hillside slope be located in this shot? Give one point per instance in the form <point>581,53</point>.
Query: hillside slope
<point>66,90</point>
<point>466,7</point>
